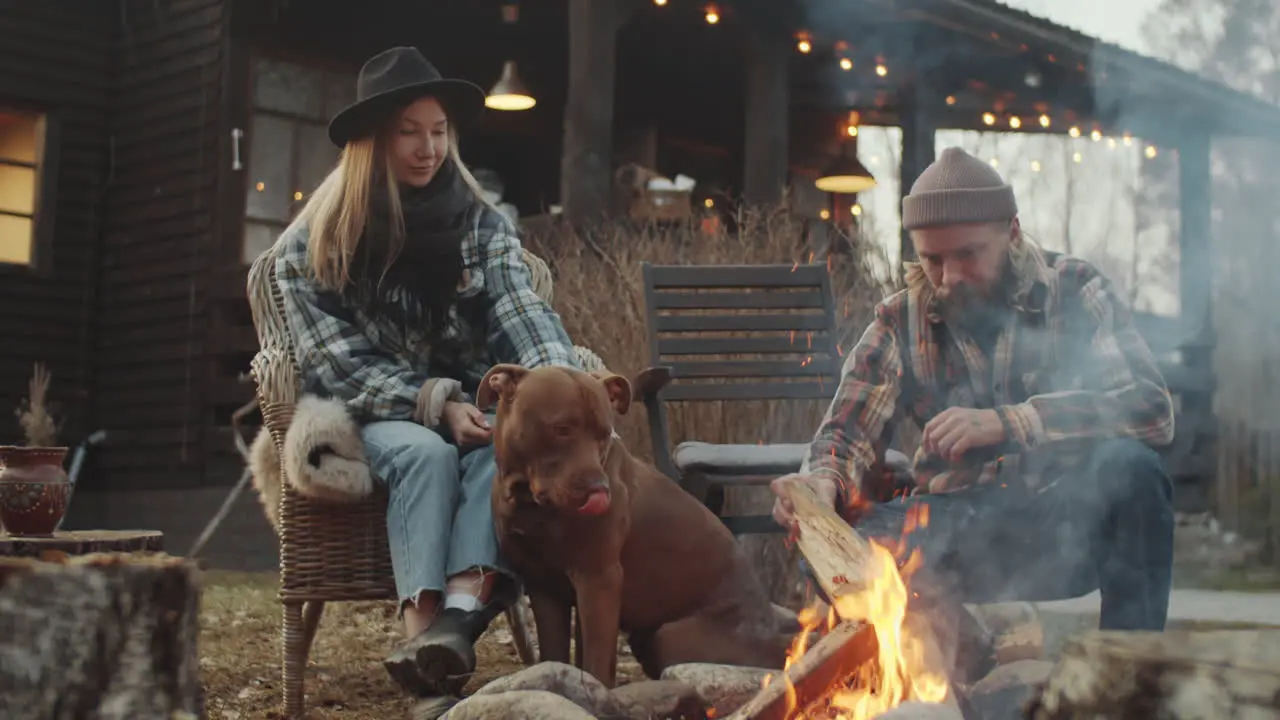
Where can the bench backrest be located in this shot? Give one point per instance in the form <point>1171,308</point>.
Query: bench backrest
<point>743,332</point>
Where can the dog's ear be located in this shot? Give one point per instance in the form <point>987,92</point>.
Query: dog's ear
<point>619,390</point>
<point>500,381</point>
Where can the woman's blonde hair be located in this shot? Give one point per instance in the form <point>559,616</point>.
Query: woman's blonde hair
<point>336,212</point>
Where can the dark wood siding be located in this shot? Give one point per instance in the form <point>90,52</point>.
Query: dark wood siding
<point>55,58</point>
<point>154,288</point>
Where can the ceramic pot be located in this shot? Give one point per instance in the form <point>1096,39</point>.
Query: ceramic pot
<point>34,489</point>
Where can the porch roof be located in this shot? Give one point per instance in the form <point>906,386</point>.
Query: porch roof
<point>978,53</point>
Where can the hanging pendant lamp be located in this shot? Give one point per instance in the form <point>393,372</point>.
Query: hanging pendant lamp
<point>509,93</point>
<point>846,175</point>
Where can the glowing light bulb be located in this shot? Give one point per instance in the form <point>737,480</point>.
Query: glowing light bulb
<point>881,70</point>
<point>712,14</point>
<point>995,162</point>
<point>660,3</point>
<point>297,194</point>
<point>951,99</point>
<point>1151,151</point>
<point>1015,122</point>
<point>804,46</point>
<point>260,186</point>
<point>1077,158</point>
<point>988,118</point>
<point>1074,132</point>
<point>825,214</point>
<point>851,130</point>
<point>856,210</point>
<point>709,203</point>
<point>1045,121</point>
<point>846,64</point>
<point>1096,135</point>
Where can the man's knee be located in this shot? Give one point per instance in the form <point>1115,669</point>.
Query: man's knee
<point>1133,469</point>
<point>398,448</point>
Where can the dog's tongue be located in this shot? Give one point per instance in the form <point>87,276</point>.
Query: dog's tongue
<point>597,503</point>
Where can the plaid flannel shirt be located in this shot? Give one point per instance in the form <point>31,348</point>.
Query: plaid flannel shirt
<point>1067,370</point>
<point>376,366</point>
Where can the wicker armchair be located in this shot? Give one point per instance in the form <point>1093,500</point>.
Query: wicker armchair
<point>331,552</point>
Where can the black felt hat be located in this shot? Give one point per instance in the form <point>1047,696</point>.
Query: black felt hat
<point>394,78</point>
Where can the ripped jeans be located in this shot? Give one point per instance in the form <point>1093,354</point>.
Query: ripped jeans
<point>439,518</point>
<point>1110,528</point>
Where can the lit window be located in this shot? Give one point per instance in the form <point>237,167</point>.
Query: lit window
<point>23,177</point>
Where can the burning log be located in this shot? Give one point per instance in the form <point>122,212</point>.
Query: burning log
<point>826,665</point>
<point>1176,675</point>
<point>887,659</point>
<point>105,636</point>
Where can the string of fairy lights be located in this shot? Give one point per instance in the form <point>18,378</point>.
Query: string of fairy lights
<point>806,44</point>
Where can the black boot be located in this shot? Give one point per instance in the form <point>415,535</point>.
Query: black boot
<point>441,659</point>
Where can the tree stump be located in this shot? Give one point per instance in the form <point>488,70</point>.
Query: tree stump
<point>82,542</point>
<point>1176,675</point>
<point>99,636</point>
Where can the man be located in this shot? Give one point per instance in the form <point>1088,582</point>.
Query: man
<point>1039,406</point>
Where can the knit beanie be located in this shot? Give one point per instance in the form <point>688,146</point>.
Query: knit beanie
<point>957,188</point>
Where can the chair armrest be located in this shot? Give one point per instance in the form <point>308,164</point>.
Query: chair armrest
<point>645,388</point>
<point>649,382</point>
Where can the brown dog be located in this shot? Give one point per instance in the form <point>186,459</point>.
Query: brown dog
<point>585,524</point>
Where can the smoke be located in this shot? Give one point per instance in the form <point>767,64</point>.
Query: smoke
<point>1115,199</point>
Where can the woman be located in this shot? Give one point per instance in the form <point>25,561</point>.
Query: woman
<point>402,285</point>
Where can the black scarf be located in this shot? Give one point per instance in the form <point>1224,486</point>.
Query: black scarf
<point>428,268</point>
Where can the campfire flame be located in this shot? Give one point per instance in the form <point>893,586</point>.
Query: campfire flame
<point>902,669</point>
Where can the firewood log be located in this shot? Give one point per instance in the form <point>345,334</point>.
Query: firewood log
<point>1177,675</point>
<point>99,636</point>
<point>832,659</point>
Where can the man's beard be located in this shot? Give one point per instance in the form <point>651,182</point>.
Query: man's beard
<point>966,307</point>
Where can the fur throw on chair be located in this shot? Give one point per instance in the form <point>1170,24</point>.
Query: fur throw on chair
<point>323,458</point>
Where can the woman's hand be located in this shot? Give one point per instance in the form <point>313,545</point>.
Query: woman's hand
<point>467,423</point>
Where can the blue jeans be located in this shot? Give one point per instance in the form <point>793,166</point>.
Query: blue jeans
<point>439,518</point>
<point>1110,528</point>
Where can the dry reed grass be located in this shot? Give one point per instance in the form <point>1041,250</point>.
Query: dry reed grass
<point>599,294</point>
<point>38,425</point>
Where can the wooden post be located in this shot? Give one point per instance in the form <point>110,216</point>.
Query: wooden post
<point>1195,284</point>
<point>919,126</point>
<point>586,165</point>
<point>768,115</point>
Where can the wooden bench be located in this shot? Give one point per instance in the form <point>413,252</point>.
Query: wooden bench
<point>735,333</point>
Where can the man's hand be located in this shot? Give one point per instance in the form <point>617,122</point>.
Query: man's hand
<point>955,431</point>
<point>466,423</point>
<point>783,511</point>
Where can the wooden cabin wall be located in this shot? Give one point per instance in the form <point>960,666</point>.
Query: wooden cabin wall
<point>56,60</point>
<point>166,131</point>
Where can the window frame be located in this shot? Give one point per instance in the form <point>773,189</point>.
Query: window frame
<point>46,191</point>
<point>326,69</point>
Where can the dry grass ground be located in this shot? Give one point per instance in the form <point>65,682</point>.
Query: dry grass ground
<point>240,655</point>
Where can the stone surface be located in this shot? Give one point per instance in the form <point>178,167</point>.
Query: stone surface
<point>660,700</point>
<point>1016,629</point>
<point>577,686</point>
<point>518,705</point>
<point>1001,694</point>
<point>724,687</point>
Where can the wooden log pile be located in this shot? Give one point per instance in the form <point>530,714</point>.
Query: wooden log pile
<point>99,636</point>
<point>1178,675</point>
